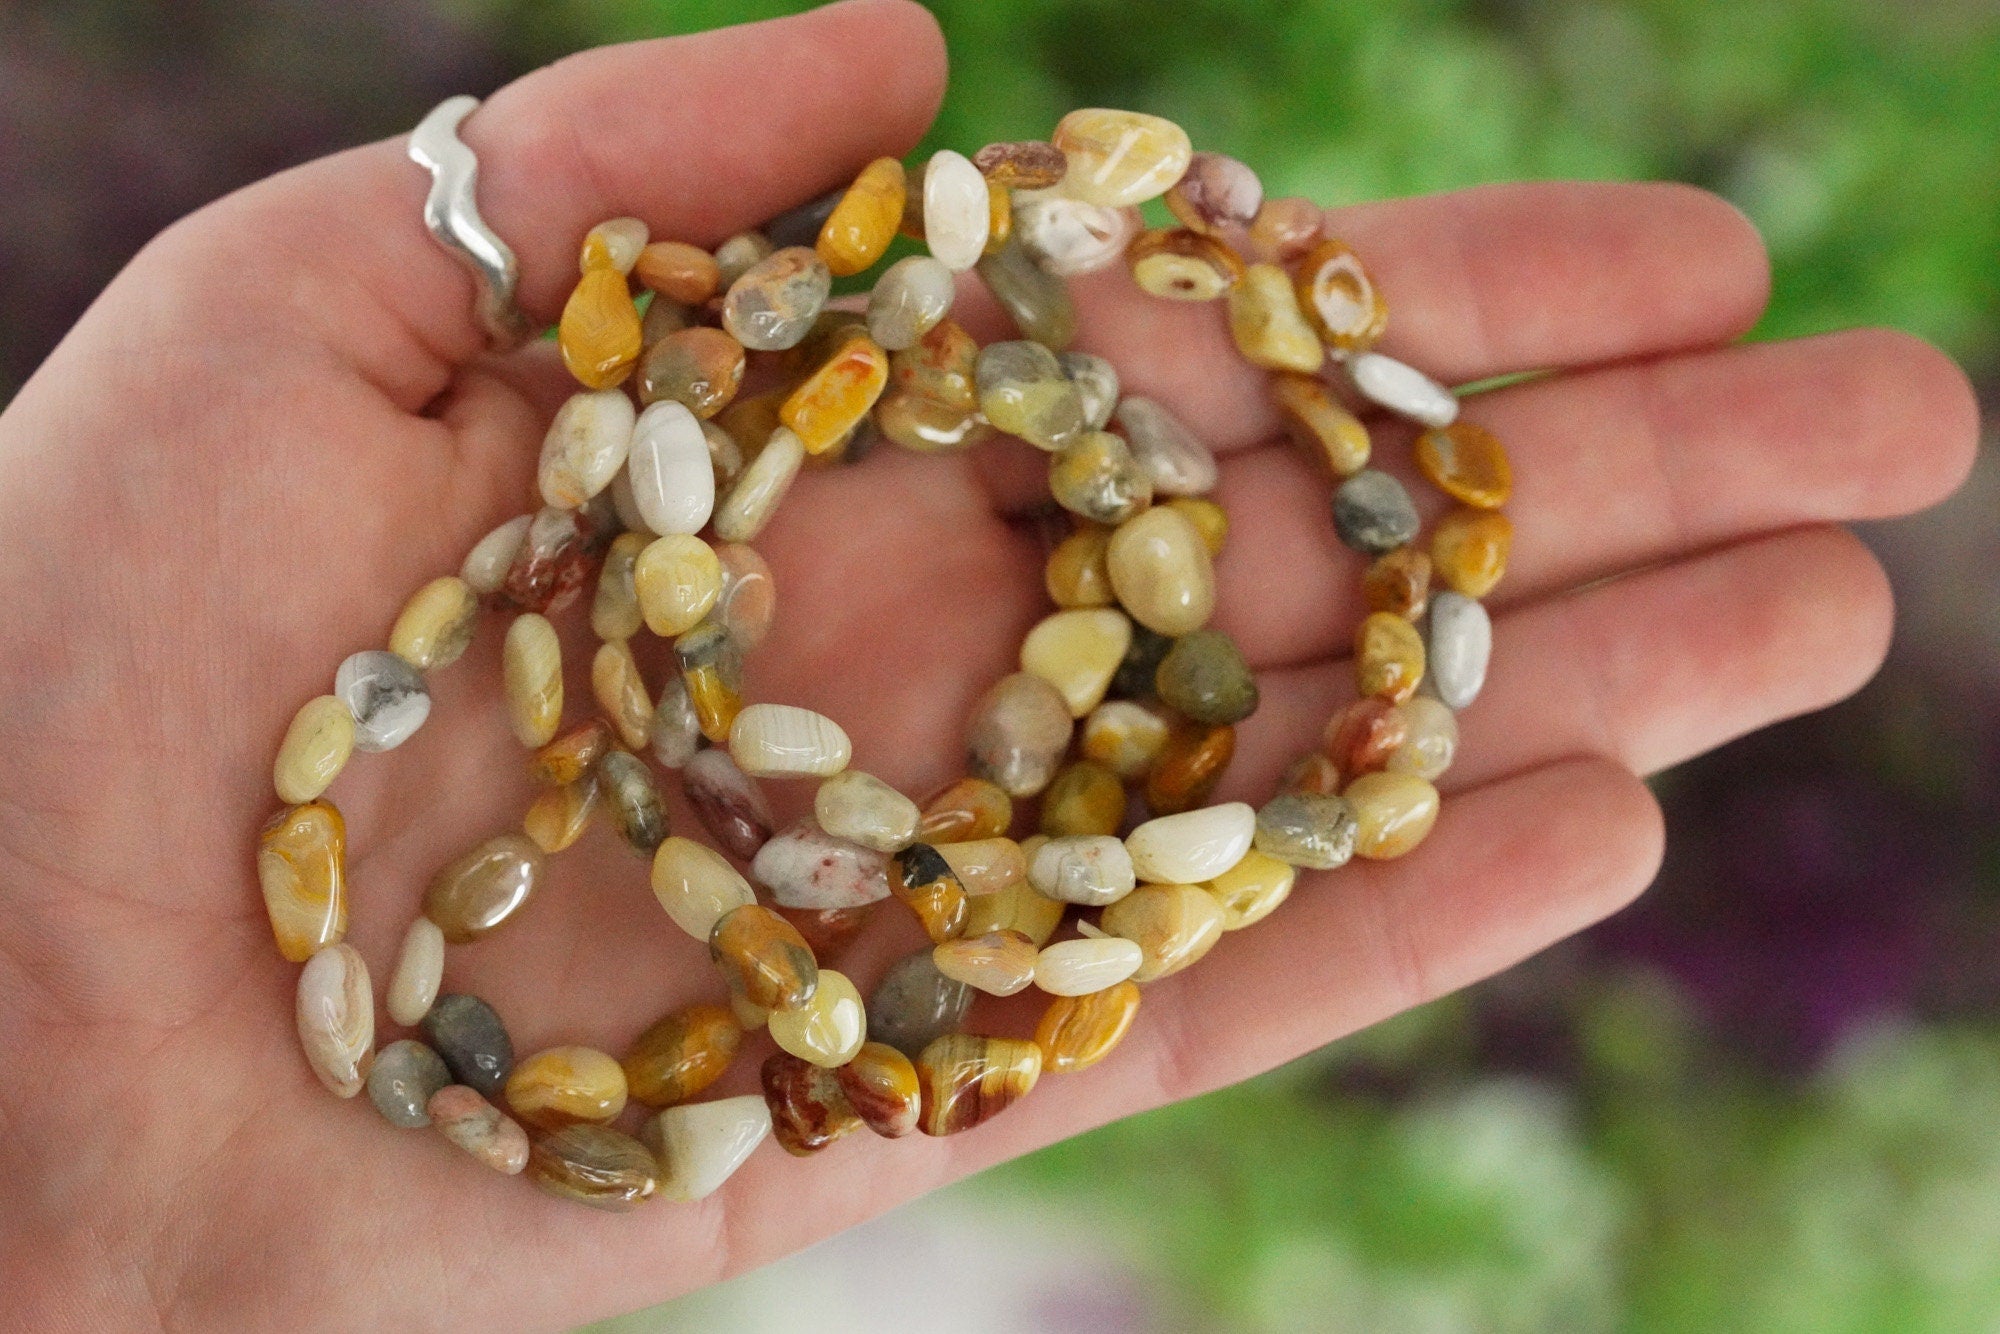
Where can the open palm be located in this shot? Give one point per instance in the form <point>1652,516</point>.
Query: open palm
<point>277,422</point>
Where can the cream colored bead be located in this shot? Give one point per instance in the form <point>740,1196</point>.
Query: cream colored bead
<point>701,1144</point>
<point>436,624</point>
<point>1162,572</point>
<point>670,474</point>
<point>614,610</point>
<point>1394,812</point>
<point>999,963</point>
<point>742,514</point>
<point>1430,739</point>
<point>1120,158</point>
<point>957,214</point>
<point>678,579</point>
<point>1124,736</point>
<point>616,242</point>
<point>486,565</point>
<point>1173,925</point>
<point>782,740</point>
<point>985,865</point>
<point>1402,388</point>
<point>532,663</point>
<point>1078,653</point>
<point>1192,846</point>
<point>621,692</point>
<point>861,808</point>
<point>1079,967</point>
<point>1252,889</point>
<point>419,973</point>
<point>585,446</point>
<point>336,1018</point>
<point>1269,328</point>
<point>1019,907</point>
<point>828,1029</point>
<point>315,749</point>
<point>1090,869</point>
<point>1069,238</point>
<point>696,886</point>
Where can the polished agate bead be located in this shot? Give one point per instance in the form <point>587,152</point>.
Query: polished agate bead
<point>1251,890</point>
<point>1189,767</point>
<point>1402,389</point>
<point>800,225</point>
<point>1090,964</point>
<point>711,670</point>
<point>1022,165</point>
<point>436,624</point>
<point>671,469</point>
<point>831,401</point>
<point>1083,798</point>
<point>1176,461</point>
<point>763,957</point>
<point>466,1032</point>
<point>1217,195</point>
<point>532,663</point>
<point>829,931</point>
<point>908,300</point>
<point>956,215</point>
<point>1285,229</point>
<point>675,733</point>
<point>1399,582</point>
<point>942,366</point>
<point>614,609</point>
<point>594,1165</point>
<point>1325,430</point>
<point>774,303</point>
<point>700,1145</point>
<point>1078,652</point>
<point>600,334</point>
<point>1019,907</point>
<point>1466,462</point>
<point>413,987</point>
<point>1036,300</point>
<point>1208,518</point>
<point>1090,869</point>
<point>805,867</point>
<point>829,1028</point>
<point>749,596</point>
<point>614,244</point>
<point>481,1129</point>
<point>1458,643</point>
<point>861,808</point>
<point>1173,924</point>
<point>998,963</point>
<point>1023,391</point>
<point>742,514</point>
<point>1019,731</point>
<point>1339,299</point>
<point>786,741</point>
<point>620,691</point>
<point>481,890</point>
<point>1204,677</point>
<point>700,368</point>
<point>914,1003</point>
<point>921,878</point>
<point>925,425</point>
<point>1392,813</point>
<point>681,1054</point>
<point>1142,663</point>
<point>1078,1031</point>
<point>315,749</point>
<point>678,271</point>
<point>696,886</point>
<point>986,865</point>
<point>1361,737</point>
<point>663,316</point>
<point>492,556</point>
<point>1373,513</point>
<point>552,562</point>
<point>1311,772</point>
<point>970,808</point>
<point>336,1018</point>
<point>386,696</point>
<point>566,1085</point>
<point>728,802</point>
<point>1191,846</point>
<point>1097,385</point>
<point>1120,158</point>
<point>738,254</point>
<point>968,1079</point>
<point>402,1081</point>
<point>1067,237</point>
<point>1096,476</point>
<point>302,869</point>
<point>678,579</point>
<point>1162,572</point>
<point>1123,736</point>
<point>1077,574</point>
<point>1178,264</point>
<point>808,1108</point>
<point>1269,329</point>
<point>865,219</point>
<point>1306,829</point>
<point>1469,549</point>
<point>585,446</point>
<point>1388,657</point>
<point>881,1087</point>
<point>633,801</point>
<point>1430,742</point>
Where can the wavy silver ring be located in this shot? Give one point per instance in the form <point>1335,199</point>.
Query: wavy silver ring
<point>451,211</point>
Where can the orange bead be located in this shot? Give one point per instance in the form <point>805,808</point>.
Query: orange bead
<point>1469,550</point>
<point>1189,767</point>
<point>572,755</point>
<point>678,271</point>
<point>681,1054</point>
<point>764,958</point>
<point>833,399</point>
<point>808,1109</point>
<point>302,864</point>
<point>1331,435</point>
<point>865,220</point>
<point>921,878</point>
<point>1388,657</point>
<point>969,809</point>
<point>941,365</point>
<point>828,931</point>
<point>1361,737</point>
<point>1312,772</point>
<point>968,1079</point>
<point>1468,463</point>
<point>1341,302</point>
<point>1076,1032</point>
<point>999,217</point>
<point>880,1084</point>
<point>1398,581</point>
<point>600,334</point>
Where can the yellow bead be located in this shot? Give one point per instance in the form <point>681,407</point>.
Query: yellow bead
<point>614,611</point>
<point>1019,907</point>
<point>315,748</point>
<point>986,865</point>
<point>1182,265</point>
<point>1161,571</point>
<point>1120,158</point>
<point>941,366</point>
<point>1078,653</point>
<point>970,808</point>
<point>1076,1032</point>
<point>600,334</point>
<point>1173,925</point>
<point>1265,321</point>
<point>1209,519</point>
<point>302,867</point>
<point>921,878</point>
<point>1393,812</point>
<point>678,578</point>
<point>1084,798</point>
<point>557,818</point>
<point>1398,581</point>
<point>1125,737</point>
<point>1339,299</point>
<point>621,692</point>
<point>681,1054</point>
<point>865,220</point>
<point>1388,657</point>
<point>968,1079</point>
<point>533,670</point>
<point>998,963</point>
<point>1252,889</point>
<point>436,624</point>
<point>1469,550</point>
<point>881,1086</point>
<point>829,1028</point>
<point>831,401</point>
<point>1466,462</point>
<point>696,886</point>
<point>763,957</point>
<point>1076,574</point>
<point>564,1086</point>
<point>999,217</point>
<point>1327,432</point>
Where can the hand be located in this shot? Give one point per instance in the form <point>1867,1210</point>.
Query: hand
<point>278,422</point>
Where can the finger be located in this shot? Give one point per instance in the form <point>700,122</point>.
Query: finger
<point>1623,467</point>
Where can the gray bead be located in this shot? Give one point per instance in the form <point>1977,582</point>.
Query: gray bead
<point>1036,300</point>
<point>634,800</point>
<point>1373,513</point>
<point>914,1004</point>
<point>1177,460</point>
<point>1204,676</point>
<point>800,225</point>
<point>473,1042</point>
<point>1096,382</point>
<point>909,299</point>
<point>1459,643</point>
<point>401,1082</point>
<point>1308,829</point>
<point>387,696</point>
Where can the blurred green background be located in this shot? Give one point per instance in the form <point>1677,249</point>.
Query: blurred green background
<point>1767,1098</point>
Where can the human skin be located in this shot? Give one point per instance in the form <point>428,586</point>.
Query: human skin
<point>278,421</point>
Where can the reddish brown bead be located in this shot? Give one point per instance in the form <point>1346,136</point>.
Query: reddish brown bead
<point>1189,767</point>
<point>881,1086</point>
<point>808,1109</point>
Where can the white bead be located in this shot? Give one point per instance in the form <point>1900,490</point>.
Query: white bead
<point>701,1144</point>
<point>861,808</point>
<point>779,740</point>
<point>1091,869</point>
<point>419,973</point>
<point>1179,462</point>
<point>387,696</point>
<point>1459,642</point>
<point>336,1018</point>
<point>486,565</point>
<point>1402,388</point>
<point>957,213</point>
<point>1068,237</point>
<point>1079,967</point>
<point>672,480</point>
<point>754,499</point>
<point>1193,846</point>
<point>585,446</point>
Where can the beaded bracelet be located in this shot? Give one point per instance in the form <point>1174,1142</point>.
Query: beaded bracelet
<point>1125,700</point>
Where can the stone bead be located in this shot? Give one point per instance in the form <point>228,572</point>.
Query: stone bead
<point>986,865</point>
<point>861,808</point>
<point>1091,964</point>
<point>1388,657</point>
<point>487,564</point>
<point>532,662</point>
<point>662,317</point>
<point>387,697</point>
<point>436,624</point>
<point>700,368</point>
<point>921,878</point>
<point>696,886</point>
<point>773,304</point>
<point>999,218</point>
<point>700,1145</point>
<point>678,579</point>
<point>1173,925</point>
<point>632,799</point>
<point>1178,264</point>
<point>833,400</point>
<point>711,670</point>
<point>600,335</point>
<point>1393,812</point>
<point>1306,829</point>
<point>1398,582</point>
<point>1469,550</point>
<point>1373,513</point>
<point>672,469</point>
<point>477,1126</point>
<point>402,1081</point>
<point>1339,299</point>
<point>1019,731</point>
<point>1036,300</point>
<point>1124,737</point>
<point>1096,381</point>
<point>302,869</point>
<point>551,563</point>
<point>1076,1032</point>
<point>1402,389</point>
<point>1084,798</point>
<point>1120,158</point>
<point>594,1165</point>
<point>1177,462</point>
<point>466,1032</point>
<point>1162,572</point>
<point>1078,652</point>
<point>925,425</point>
<point>1311,772</point>
<point>675,733</point>
<point>941,366</point>
<point>585,446</point>
<point>483,889</point>
<point>829,1028</point>
<point>783,740</point>
<point>1019,907</point>
<point>808,1108</point>
<point>749,596</point>
<point>614,609</point>
<point>681,1054</point>
<point>1285,229</point>
<point>968,1079</point>
<point>1251,890</point>
<point>566,1085</point>
<point>880,1085</point>
<point>1189,767</point>
<point>1067,237</point>
<point>865,220</point>
<point>800,225</point>
<point>1209,519</point>
<point>763,957</point>
<point>968,809</point>
<point>557,818</point>
<point>1142,663</point>
<point>829,931</point>
<point>1466,462</point>
<point>750,504</point>
<point>1192,846</point>
<point>336,1018</point>
<point>1269,329</point>
<point>413,987</point>
<point>1022,165</point>
<point>1329,434</point>
<point>620,691</point>
<point>1023,391</point>
<point>315,749</point>
<point>728,802</point>
<point>998,963</point>
<point>806,867</point>
<point>679,272</point>
<point>1089,869</point>
<point>1458,644</point>
<point>1431,742</point>
<point>914,1003</point>
<point>1204,677</point>
<point>956,217</point>
<point>1217,195</point>
<point>908,300</point>
<point>1362,736</point>
<point>1097,477</point>
<point>1076,574</point>
<point>737,255</point>
<point>614,244</point>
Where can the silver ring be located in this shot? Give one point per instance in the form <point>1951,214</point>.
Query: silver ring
<point>452,213</point>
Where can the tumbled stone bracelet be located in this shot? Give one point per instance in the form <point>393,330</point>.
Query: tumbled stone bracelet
<point>1122,717</point>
